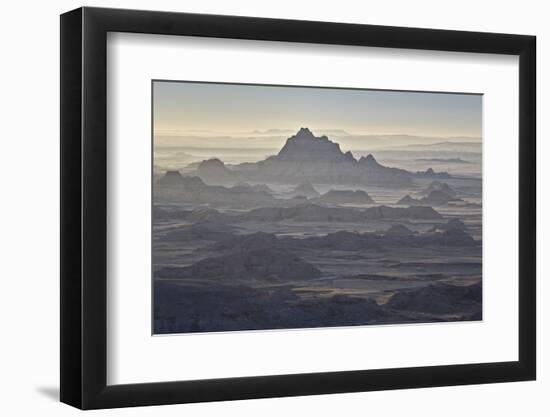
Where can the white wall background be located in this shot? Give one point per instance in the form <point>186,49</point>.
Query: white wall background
<point>29,236</point>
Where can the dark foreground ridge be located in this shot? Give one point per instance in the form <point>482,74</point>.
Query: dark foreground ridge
<point>188,308</point>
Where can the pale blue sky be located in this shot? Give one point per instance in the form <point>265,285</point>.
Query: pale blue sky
<point>182,107</point>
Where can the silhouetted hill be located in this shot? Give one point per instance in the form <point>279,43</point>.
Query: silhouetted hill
<point>345,197</point>
<point>192,189</point>
<point>258,240</point>
<point>308,158</point>
<point>313,213</point>
<point>171,178</point>
<point>398,230</point>
<point>305,147</point>
<point>214,171</point>
<point>450,225</point>
<point>305,189</point>
<point>269,264</point>
<point>430,173</point>
<point>407,201</point>
<point>438,186</point>
<point>434,198</point>
<point>206,230</point>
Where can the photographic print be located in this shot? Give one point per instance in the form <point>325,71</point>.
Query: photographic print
<point>285,207</point>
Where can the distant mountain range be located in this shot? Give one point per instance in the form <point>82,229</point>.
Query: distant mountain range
<point>444,160</point>
<point>436,194</point>
<point>301,213</point>
<point>307,158</point>
<point>449,146</point>
<point>270,139</point>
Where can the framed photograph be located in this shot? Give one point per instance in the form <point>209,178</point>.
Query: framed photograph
<point>257,208</point>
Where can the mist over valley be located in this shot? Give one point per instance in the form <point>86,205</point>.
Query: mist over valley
<point>255,236</point>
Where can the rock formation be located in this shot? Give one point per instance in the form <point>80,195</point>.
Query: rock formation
<point>246,265</point>
<point>170,179</point>
<point>306,157</point>
<point>450,225</point>
<point>305,147</point>
<point>345,197</point>
<point>305,189</point>
<point>191,189</point>
<point>318,159</point>
<point>439,298</point>
<point>430,173</point>
<point>214,171</point>
<point>408,201</point>
<point>439,194</point>
<point>398,230</point>
<point>438,186</point>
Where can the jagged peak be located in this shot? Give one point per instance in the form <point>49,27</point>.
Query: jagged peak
<point>305,146</point>
<point>212,161</point>
<point>306,134</point>
<point>369,160</point>
<point>173,173</point>
<point>171,177</point>
<point>304,131</point>
<point>349,156</point>
<point>211,165</point>
<point>407,200</point>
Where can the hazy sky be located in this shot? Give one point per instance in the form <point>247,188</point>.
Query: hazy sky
<point>184,107</point>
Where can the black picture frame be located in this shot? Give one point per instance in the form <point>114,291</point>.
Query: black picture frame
<point>84,207</point>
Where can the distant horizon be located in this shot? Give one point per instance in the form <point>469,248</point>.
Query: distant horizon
<point>185,150</point>
<point>197,109</point>
<point>271,139</point>
<point>319,131</point>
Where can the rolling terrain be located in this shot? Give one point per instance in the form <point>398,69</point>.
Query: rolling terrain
<point>315,237</point>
